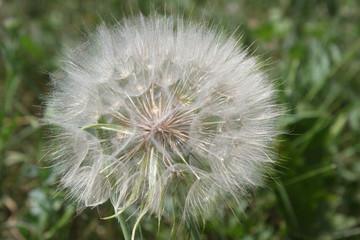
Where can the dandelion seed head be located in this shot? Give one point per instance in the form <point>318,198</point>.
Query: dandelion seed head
<point>159,108</point>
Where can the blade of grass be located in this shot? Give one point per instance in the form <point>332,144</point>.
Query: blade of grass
<point>310,174</point>
<point>284,197</point>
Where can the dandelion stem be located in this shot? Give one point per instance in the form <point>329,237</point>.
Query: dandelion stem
<point>109,127</point>
<point>124,227</point>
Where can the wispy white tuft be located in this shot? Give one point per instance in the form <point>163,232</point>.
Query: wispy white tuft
<point>161,114</point>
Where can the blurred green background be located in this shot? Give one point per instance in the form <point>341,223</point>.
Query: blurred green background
<point>311,49</point>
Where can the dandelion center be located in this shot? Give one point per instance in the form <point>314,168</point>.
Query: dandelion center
<point>154,119</point>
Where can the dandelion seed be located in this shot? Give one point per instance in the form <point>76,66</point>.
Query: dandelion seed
<point>155,109</point>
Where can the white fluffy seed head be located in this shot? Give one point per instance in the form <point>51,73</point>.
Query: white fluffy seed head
<point>155,109</point>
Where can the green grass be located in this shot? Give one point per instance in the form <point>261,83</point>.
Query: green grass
<point>312,49</point>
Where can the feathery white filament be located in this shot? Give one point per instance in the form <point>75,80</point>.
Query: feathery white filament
<point>157,108</point>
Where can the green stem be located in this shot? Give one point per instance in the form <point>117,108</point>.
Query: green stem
<point>124,227</point>
<point>142,214</point>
